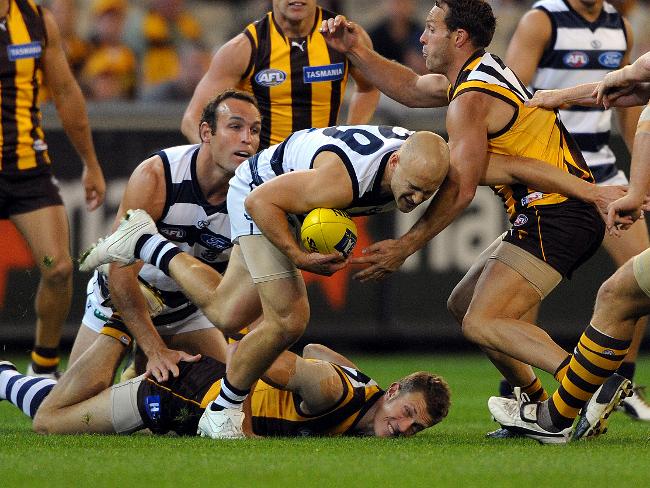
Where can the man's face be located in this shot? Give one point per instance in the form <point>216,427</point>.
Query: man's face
<point>294,10</point>
<point>411,184</point>
<point>238,133</point>
<point>436,41</point>
<point>402,414</point>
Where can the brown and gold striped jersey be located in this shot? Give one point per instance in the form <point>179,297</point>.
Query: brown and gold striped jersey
<point>532,132</point>
<point>278,412</point>
<point>22,43</point>
<point>299,83</point>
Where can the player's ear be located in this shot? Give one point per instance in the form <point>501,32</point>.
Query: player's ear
<point>393,390</point>
<point>205,132</point>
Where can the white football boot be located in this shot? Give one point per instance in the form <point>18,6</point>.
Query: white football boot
<point>221,424</point>
<point>593,416</point>
<point>120,245</point>
<point>519,415</point>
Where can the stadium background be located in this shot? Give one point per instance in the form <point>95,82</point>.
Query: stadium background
<point>404,312</point>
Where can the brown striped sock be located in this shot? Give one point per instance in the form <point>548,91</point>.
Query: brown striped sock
<point>595,358</point>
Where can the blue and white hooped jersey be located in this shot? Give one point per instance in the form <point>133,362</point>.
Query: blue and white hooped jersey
<point>364,149</point>
<point>583,52</point>
<point>190,222</point>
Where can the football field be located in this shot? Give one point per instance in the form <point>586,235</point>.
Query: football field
<point>453,453</point>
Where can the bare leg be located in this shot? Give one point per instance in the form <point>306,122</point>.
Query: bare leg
<point>230,302</point>
<point>85,338</point>
<point>47,233</point>
<point>80,402</point>
<point>516,372</point>
<point>631,242</point>
<point>207,342</point>
<point>286,313</point>
<point>493,319</point>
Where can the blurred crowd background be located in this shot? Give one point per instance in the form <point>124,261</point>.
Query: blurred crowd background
<point>157,50</point>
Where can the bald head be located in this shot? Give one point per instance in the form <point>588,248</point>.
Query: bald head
<point>419,168</point>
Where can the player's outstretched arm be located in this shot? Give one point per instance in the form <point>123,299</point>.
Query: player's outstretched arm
<point>394,79</point>
<point>328,185</point>
<point>226,70</point>
<point>626,84</point>
<point>71,107</point>
<point>146,190</point>
<point>505,170</point>
<point>365,96</point>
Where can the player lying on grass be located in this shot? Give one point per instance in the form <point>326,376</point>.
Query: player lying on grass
<point>320,394</point>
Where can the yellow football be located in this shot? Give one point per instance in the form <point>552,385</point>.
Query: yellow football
<point>327,230</point>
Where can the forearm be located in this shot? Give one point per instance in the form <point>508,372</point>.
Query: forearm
<point>393,79</point>
<point>71,108</point>
<point>639,70</point>
<point>640,167</point>
<point>362,107</point>
<point>447,204</point>
<point>273,223</point>
<point>536,174</point>
<point>131,305</point>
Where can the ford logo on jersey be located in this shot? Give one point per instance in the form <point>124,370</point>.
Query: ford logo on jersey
<point>576,59</point>
<point>610,59</point>
<point>270,77</point>
<point>328,72</point>
<point>216,242</point>
<point>22,51</point>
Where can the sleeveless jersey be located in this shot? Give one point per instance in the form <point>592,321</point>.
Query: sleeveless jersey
<point>278,412</point>
<point>364,149</point>
<point>532,132</point>
<point>298,82</point>
<point>583,52</point>
<point>194,225</point>
<point>22,41</point>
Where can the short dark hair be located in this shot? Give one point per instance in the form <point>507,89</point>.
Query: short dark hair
<point>210,114</point>
<point>435,390</point>
<point>474,16</point>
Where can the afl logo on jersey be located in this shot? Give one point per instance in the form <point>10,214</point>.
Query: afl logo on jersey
<point>610,59</point>
<point>270,77</point>
<point>576,59</point>
<point>173,233</point>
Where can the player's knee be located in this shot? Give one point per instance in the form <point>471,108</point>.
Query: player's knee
<point>474,328</point>
<point>56,272</point>
<point>40,424</point>
<point>291,323</point>
<point>611,297</point>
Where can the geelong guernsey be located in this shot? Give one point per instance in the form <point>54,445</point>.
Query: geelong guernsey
<point>583,52</point>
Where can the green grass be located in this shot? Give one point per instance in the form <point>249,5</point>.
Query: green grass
<point>454,453</point>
